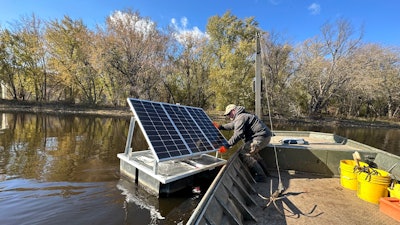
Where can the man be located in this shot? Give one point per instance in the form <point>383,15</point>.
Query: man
<point>256,135</point>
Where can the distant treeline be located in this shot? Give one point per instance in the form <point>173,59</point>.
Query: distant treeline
<point>64,61</point>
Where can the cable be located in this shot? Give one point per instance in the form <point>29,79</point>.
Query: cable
<point>280,185</point>
<point>281,188</point>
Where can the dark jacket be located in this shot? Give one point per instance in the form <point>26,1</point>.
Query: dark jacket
<point>246,126</point>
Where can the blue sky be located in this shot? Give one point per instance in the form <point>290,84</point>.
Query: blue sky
<point>296,20</point>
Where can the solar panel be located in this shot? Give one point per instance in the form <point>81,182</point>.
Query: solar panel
<point>176,131</point>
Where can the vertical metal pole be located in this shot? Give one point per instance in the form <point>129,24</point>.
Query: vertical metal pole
<point>130,135</point>
<point>258,108</point>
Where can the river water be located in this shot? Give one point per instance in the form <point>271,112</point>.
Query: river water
<point>63,169</point>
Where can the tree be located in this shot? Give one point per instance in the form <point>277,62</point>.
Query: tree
<point>7,69</point>
<point>12,66</point>
<point>187,79</point>
<point>277,70</point>
<point>232,50</point>
<point>133,53</point>
<point>30,56</point>
<point>323,68</point>
<point>376,80</point>
<point>69,43</point>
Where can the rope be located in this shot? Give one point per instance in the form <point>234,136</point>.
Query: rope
<point>280,185</point>
<point>281,188</point>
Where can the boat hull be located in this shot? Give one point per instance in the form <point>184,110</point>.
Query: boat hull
<point>309,172</point>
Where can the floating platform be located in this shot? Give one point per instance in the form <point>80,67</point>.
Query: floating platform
<point>172,147</point>
<point>168,177</point>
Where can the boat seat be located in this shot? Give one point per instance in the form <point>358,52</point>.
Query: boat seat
<point>389,163</point>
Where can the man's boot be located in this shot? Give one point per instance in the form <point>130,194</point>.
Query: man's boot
<point>258,173</point>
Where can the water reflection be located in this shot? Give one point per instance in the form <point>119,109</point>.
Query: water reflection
<point>61,168</point>
<point>172,210</point>
<point>28,201</point>
<point>57,169</point>
<point>3,121</point>
<point>61,148</point>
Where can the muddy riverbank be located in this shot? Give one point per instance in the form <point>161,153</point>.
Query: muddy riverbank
<point>67,108</point>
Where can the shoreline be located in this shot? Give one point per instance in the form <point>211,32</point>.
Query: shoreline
<point>65,109</point>
<point>7,106</point>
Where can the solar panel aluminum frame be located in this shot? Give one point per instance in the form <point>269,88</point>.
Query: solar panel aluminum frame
<point>164,106</point>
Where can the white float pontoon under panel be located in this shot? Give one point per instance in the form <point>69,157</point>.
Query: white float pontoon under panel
<point>172,176</point>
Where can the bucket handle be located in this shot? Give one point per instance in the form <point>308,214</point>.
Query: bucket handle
<point>368,177</point>
<point>393,182</point>
<point>360,169</point>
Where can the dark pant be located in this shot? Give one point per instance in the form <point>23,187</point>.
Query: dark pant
<point>249,150</point>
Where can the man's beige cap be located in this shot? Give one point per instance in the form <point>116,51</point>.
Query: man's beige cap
<point>229,108</point>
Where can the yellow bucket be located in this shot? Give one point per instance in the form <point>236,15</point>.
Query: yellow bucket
<point>372,186</point>
<point>395,191</point>
<point>348,173</point>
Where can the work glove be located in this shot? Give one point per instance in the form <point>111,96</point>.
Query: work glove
<point>216,125</point>
<point>223,148</point>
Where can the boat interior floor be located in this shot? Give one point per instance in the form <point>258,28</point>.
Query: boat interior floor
<point>311,199</point>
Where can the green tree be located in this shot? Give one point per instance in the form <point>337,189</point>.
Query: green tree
<point>11,72</point>
<point>30,56</point>
<point>232,50</point>
<point>187,80</point>
<point>6,67</point>
<point>133,52</point>
<point>69,44</point>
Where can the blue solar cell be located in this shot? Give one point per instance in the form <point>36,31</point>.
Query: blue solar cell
<point>205,124</point>
<point>188,128</point>
<point>176,131</point>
